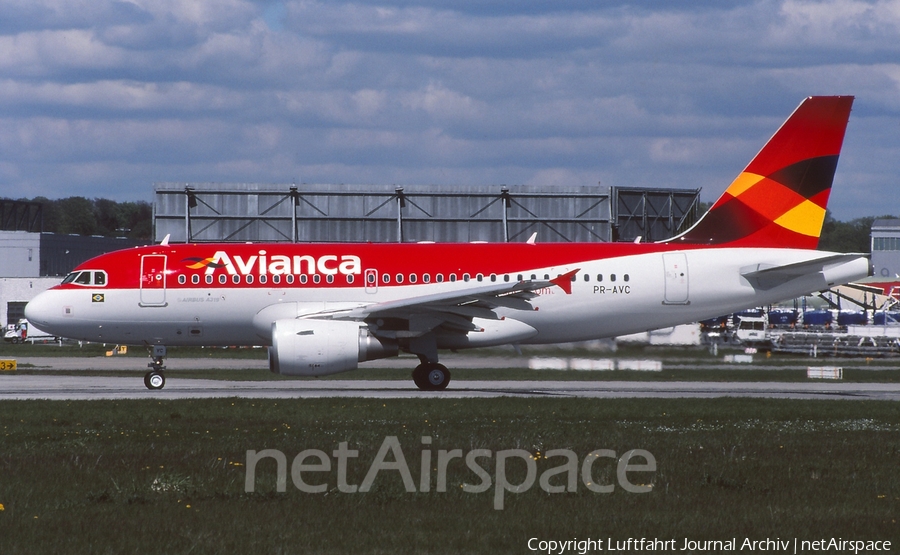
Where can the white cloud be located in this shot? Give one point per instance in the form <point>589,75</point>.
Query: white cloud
<point>118,94</point>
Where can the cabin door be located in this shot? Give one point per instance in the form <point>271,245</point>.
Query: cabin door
<point>676,283</point>
<point>153,280</point>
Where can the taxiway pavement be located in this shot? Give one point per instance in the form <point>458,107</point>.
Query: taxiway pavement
<point>56,387</point>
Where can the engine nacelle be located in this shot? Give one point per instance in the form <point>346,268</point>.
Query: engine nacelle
<point>320,347</point>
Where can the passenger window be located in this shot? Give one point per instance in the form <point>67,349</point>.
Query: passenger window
<point>599,277</point>
<point>370,278</point>
<point>303,279</point>
<point>236,279</point>
<point>426,278</point>
<point>195,279</point>
<point>223,279</point>
<point>412,278</point>
<point>276,279</point>
<point>289,278</point>
<point>506,277</point>
<point>317,278</point>
<point>208,279</point>
<point>350,278</point>
<point>182,279</point>
<point>493,277</point>
<point>399,278</point>
<point>612,277</point>
<point>452,277</point>
<point>479,277</point>
<point>329,278</point>
<point>625,277</point>
<point>587,277</point>
<point>440,278</point>
<point>249,279</point>
<point>386,278</point>
<point>466,277</point>
<point>263,279</point>
<point>519,278</point>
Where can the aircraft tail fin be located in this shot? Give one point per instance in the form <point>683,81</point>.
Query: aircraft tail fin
<point>779,200</point>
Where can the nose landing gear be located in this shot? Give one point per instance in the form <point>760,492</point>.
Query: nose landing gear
<point>155,379</point>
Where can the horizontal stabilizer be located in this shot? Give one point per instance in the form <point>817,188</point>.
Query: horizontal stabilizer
<point>763,276</point>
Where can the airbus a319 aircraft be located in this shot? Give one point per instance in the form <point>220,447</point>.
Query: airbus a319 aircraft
<point>324,308</point>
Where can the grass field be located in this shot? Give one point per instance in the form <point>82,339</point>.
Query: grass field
<point>169,477</point>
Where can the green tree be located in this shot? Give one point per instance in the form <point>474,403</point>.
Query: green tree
<point>852,236</point>
<point>77,216</point>
<point>81,216</point>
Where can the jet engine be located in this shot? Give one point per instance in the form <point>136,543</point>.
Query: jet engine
<point>320,347</point>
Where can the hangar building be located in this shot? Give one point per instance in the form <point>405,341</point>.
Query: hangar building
<point>378,213</point>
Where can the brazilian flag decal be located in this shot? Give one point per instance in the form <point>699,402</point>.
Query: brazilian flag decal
<point>98,298</point>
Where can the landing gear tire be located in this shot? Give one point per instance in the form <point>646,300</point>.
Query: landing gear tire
<point>154,380</point>
<point>431,376</point>
<point>418,377</point>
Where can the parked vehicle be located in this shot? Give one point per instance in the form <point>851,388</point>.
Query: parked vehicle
<point>751,330</point>
<point>22,331</point>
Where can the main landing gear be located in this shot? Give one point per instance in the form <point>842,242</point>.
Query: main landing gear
<point>155,379</point>
<point>431,376</point>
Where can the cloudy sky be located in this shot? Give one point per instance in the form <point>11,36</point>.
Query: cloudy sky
<point>102,98</point>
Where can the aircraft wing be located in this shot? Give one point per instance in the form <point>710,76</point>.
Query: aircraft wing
<point>765,276</point>
<point>453,309</point>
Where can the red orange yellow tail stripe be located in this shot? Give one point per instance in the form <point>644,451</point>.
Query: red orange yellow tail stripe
<point>779,200</point>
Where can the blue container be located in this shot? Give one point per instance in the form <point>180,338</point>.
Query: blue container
<point>887,318</point>
<point>753,313</point>
<point>717,322</point>
<point>851,318</point>
<point>817,318</point>
<point>782,317</point>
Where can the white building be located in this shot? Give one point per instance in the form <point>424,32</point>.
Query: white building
<point>886,248</point>
<point>20,254</point>
<point>15,292</point>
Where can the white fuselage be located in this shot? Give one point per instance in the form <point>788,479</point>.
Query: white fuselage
<point>609,297</point>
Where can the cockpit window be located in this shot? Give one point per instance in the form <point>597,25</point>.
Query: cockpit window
<point>96,278</point>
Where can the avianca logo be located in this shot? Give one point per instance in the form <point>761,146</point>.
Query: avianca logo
<point>277,264</point>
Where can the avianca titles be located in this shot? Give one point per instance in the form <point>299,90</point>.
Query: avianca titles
<point>325,308</point>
